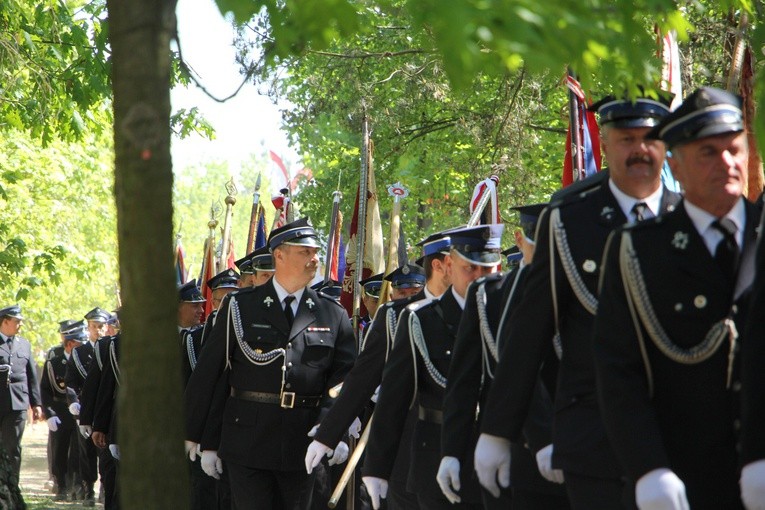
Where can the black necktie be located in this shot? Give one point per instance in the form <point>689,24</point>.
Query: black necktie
<point>727,252</point>
<point>639,210</point>
<point>288,310</point>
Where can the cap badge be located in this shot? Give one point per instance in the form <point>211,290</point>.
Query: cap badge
<point>405,269</point>
<point>680,241</point>
<point>589,266</point>
<point>309,302</point>
<point>268,301</point>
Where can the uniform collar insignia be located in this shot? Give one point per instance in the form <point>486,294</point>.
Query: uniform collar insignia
<point>607,212</point>
<point>310,303</point>
<point>268,301</point>
<point>680,241</point>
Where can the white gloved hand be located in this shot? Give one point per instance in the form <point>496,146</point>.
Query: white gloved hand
<point>375,395</point>
<point>86,430</point>
<point>544,463</point>
<point>377,489</point>
<point>753,485</point>
<point>661,489</point>
<point>492,462</point>
<point>191,449</point>
<point>74,408</point>
<point>355,429</point>
<point>448,478</point>
<point>115,451</point>
<point>313,431</point>
<point>53,423</point>
<point>211,464</point>
<point>313,455</point>
<point>340,455</point>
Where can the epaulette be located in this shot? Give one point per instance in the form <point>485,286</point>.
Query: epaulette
<point>55,352</point>
<point>195,328</point>
<point>330,299</point>
<point>575,188</point>
<point>573,198</point>
<point>420,304</point>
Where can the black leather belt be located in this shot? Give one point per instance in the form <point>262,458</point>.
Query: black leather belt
<point>430,415</point>
<point>286,399</point>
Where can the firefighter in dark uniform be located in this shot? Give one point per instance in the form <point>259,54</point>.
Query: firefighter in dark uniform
<point>283,346</point>
<point>753,390</point>
<point>256,268</point>
<point>19,389</point>
<point>361,383</point>
<point>76,374</point>
<point>416,372</point>
<point>489,300</point>
<point>673,298</point>
<point>557,311</point>
<point>63,429</point>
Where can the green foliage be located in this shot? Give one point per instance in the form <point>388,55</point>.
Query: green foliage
<point>57,231</point>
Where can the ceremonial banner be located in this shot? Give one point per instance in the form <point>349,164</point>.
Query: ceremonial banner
<point>671,81</point>
<point>208,271</point>
<point>490,214</point>
<point>261,236</point>
<point>588,153</point>
<point>373,257</point>
<point>181,272</point>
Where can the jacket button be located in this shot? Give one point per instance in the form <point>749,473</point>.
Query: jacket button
<point>737,386</point>
<point>448,353</point>
<point>737,425</point>
<point>289,345</point>
<point>288,386</point>
<point>289,364</point>
<point>236,420</point>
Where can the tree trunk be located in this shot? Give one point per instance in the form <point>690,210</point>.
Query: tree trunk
<point>153,472</point>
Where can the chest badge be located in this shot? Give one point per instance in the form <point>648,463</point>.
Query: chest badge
<point>607,212</point>
<point>589,266</point>
<point>309,302</point>
<point>680,241</point>
<point>268,301</point>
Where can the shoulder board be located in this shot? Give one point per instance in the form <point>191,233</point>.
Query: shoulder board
<point>330,299</point>
<point>54,352</point>
<point>243,291</point>
<point>195,328</point>
<point>574,198</point>
<point>420,305</point>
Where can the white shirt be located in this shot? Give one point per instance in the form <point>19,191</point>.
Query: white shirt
<point>460,300</point>
<point>281,294</point>
<point>429,295</point>
<point>626,202</point>
<point>702,220</point>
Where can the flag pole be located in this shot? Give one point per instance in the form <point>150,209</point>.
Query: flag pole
<point>226,237</point>
<point>576,138</point>
<point>253,216</point>
<point>398,192</point>
<point>362,221</point>
<point>336,196</point>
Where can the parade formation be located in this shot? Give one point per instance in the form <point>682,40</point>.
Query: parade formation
<point>613,360</point>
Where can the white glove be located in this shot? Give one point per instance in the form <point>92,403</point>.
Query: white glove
<point>313,431</point>
<point>53,423</point>
<point>375,395</point>
<point>661,489</point>
<point>355,429</point>
<point>753,485</point>
<point>492,462</point>
<point>340,455</point>
<point>115,451</point>
<point>192,450</point>
<point>448,477</point>
<point>315,452</point>
<point>544,463</point>
<point>377,489</point>
<point>74,408</point>
<point>86,431</point>
<point>211,464</point>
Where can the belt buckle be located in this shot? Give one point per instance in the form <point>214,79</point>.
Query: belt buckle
<point>287,400</point>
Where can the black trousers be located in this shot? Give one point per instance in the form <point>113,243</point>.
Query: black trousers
<point>427,502</point>
<point>263,489</point>
<point>400,499</point>
<point>107,467</point>
<point>503,502</point>
<point>587,492</point>
<point>88,460</point>
<point>204,491</point>
<point>532,500</point>
<point>12,425</point>
<point>60,441</point>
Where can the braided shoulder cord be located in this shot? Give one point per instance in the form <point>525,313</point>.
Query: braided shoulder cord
<point>589,302</point>
<point>52,379</point>
<point>483,322</point>
<point>115,364</point>
<point>97,354</point>
<point>78,364</point>
<point>254,357</point>
<point>635,286</point>
<point>556,341</point>
<point>192,355</point>
<point>391,322</point>
<point>415,333</point>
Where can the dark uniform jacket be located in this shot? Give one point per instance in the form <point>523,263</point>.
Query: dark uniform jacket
<point>316,354</point>
<point>77,370</point>
<point>580,442</point>
<point>89,390</point>
<point>752,362</point>
<point>472,374</point>
<point>19,388</point>
<point>410,378</point>
<point>663,405</point>
<point>104,410</point>
<point>53,386</point>
<point>191,347</point>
